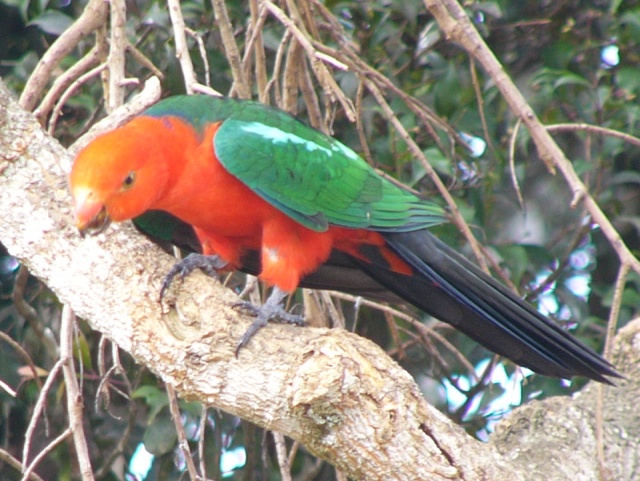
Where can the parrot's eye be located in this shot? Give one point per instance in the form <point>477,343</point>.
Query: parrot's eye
<point>129,180</point>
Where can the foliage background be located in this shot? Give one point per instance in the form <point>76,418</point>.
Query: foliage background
<point>562,55</point>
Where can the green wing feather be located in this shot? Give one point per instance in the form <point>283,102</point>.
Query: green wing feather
<point>308,175</point>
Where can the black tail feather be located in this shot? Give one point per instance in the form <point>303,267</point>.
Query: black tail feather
<point>456,291</point>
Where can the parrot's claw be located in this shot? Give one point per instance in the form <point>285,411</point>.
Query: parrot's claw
<point>208,264</point>
<point>271,310</point>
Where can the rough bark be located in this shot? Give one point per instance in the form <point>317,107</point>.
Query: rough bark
<point>339,394</point>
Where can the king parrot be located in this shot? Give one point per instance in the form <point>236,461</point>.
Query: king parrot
<point>253,188</point>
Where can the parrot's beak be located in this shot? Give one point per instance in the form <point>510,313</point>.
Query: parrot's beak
<point>91,214</point>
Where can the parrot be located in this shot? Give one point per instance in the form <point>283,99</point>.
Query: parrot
<point>246,186</point>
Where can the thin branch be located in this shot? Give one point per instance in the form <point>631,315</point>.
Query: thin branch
<point>317,64</point>
<point>25,355</point>
<point>202,429</point>
<point>256,44</point>
<point>182,50</point>
<point>43,454</point>
<point>595,129</point>
<point>65,80</point>
<point>512,162</point>
<point>424,332</point>
<point>124,439</point>
<point>618,292</point>
<point>240,83</point>
<point>183,443</point>
<point>6,457</point>
<point>277,65</point>
<point>75,85</point>
<point>93,17</point>
<point>39,408</point>
<point>144,61</point>
<point>8,389</point>
<point>74,395</point>
<point>360,127</point>
<point>281,454</point>
<point>417,152</point>
<point>305,82</point>
<point>480,101</point>
<point>203,54</point>
<point>116,60</point>
<point>290,78</point>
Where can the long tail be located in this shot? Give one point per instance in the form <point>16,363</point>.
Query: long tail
<point>446,285</point>
<point>454,290</point>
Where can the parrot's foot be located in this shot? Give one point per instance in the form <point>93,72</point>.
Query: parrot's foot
<point>208,264</point>
<point>271,310</point>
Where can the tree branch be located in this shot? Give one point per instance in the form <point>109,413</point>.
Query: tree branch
<point>93,17</point>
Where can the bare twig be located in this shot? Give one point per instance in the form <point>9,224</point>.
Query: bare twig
<point>25,355</point>
<point>618,291</point>
<point>182,437</point>
<point>182,50</point>
<point>203,55</point>
<point>117,48</point>
<point>6,457</point>
<point>124,439</point>
<point>202,428</point>
<point>512,162</point>
<point>317,63</point>
<point>424,332</point>
<point>39,408</point>
<point>596,129</point>
<point>360,127</point>
<point>417,152</point>
<point>65,80</point>
<point>276,69</point>
<point>480,101</point>
<point>146,62</point>
<point>310,97</point>
<point>240,83</point>
<point>203,89</point>
<point>256,44</point>
<point>93,17</point>
<point>8,389</point>
<point>290,77</point>
<point>74,395</point>
<point>57,111</point>
<point>281,453</point>
<point>43,454</point>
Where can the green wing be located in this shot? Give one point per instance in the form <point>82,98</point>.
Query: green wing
<point>308,175</point>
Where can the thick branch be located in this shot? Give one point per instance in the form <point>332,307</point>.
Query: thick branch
<point>338,394</point>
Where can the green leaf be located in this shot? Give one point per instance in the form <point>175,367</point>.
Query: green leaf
<point>52,22</point>
<point>81,350</point>
<point>559,54</point>
<point>628,78</point>
<point>560,77</point>
<point>447,92</point>
<point>440,162</point>
<point>160,437</point>
<point>155,398</point>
